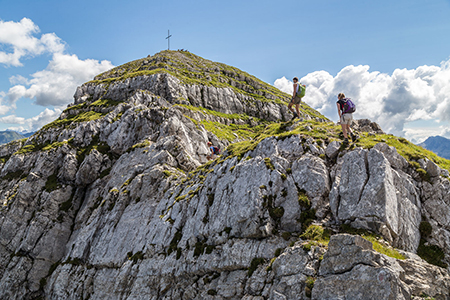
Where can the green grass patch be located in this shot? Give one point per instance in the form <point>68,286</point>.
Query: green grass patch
<point>317,233</point>
<point>4,159</point>
<point>269,164</point>
<point>309,285</point>
<point>105,103</point>
<point>78,118</point>
<point>375,239</point>
<point>405,148</point>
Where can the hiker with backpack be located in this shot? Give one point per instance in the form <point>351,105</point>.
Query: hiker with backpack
<point>346,108</point>
<point>299,93</point>
<point>214,151</point>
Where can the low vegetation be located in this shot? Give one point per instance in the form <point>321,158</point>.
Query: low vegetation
<point>377,241</point>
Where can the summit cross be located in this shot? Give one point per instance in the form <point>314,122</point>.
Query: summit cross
<point>168,39</point>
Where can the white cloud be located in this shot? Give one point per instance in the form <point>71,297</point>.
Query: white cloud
<point>57,83</point>
<point>3,108</point>
<point>390,100</point>
<point>34,123</point>
<point>43,118</point>
<point>18,36</point>
<point>53,86</point>
<point>12,119</point>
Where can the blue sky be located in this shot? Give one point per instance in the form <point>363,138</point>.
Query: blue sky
<point>391,57</point>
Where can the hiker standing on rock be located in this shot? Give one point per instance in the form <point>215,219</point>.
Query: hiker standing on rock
<point>296,98</point>
<point>346,108</point>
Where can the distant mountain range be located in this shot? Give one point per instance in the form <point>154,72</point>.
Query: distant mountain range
<point>439,145</point>
<point>8,136</point>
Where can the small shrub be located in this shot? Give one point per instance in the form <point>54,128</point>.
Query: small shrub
<point>65,206</point>
<point>283,176</point>
<point>135,257</point>
<point>212,292</point>
<point>303,200</point>
<point>278,252</point>
<point>415,164</point>
<point>309,285</point>
<point>269,267</point>
<point>52,183</point>
<point>254,265</point>
<point>403,140</point>
<point>424,174</point>
<point>431,254</point>
<point>313,232</point>
<point>286,235</point>
<point>105,173</point>
<point>174,242</point>
<point>210,199</point>
<point>269,164</point>
<point>277,212</point>
<point>425,229</point>
<point>306,218</point>
<point>199,248</point>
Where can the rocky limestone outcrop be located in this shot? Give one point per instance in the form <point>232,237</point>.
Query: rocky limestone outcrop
<point>352,270</point>
<point>116,200</point>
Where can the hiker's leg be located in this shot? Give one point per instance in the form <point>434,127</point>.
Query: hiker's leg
<point>297,108</point>
<point>290,107</point>
<point>344,130</point>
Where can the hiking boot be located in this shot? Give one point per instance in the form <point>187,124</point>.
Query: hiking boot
<point>345,142</point>
<point>295,116</point>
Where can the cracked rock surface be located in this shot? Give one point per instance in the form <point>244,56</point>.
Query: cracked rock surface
<point>125,205</point>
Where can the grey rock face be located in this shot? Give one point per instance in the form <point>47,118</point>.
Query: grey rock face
<point>369,193</point>
<point>352,270</point>
<point>124,206</point>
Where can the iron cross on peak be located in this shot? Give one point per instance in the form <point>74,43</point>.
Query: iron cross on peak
<point>168,39</point>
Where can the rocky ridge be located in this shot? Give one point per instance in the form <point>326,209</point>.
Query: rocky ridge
<point>116,200</point>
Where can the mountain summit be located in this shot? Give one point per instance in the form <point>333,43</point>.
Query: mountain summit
<point>116,199</point>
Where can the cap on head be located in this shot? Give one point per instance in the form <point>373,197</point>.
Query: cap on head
<point>209,143</point>
<point>295,78</point>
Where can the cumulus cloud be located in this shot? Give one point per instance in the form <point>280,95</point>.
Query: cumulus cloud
<point>19,38</point>
<point>34,123</point>
<point>390,100</point>
<point>57,83</point>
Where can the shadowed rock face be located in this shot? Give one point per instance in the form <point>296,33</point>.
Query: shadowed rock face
<point>116,199</point>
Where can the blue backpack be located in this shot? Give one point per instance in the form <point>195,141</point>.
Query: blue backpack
<point>348,106</point>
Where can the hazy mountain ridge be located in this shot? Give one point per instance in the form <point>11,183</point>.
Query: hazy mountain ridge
<point>438,144</point>
<point>121,189</point>
<point>8,136</point>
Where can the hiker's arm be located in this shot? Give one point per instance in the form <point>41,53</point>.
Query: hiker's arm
<point>293,95</point>
<point>339,110</point>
